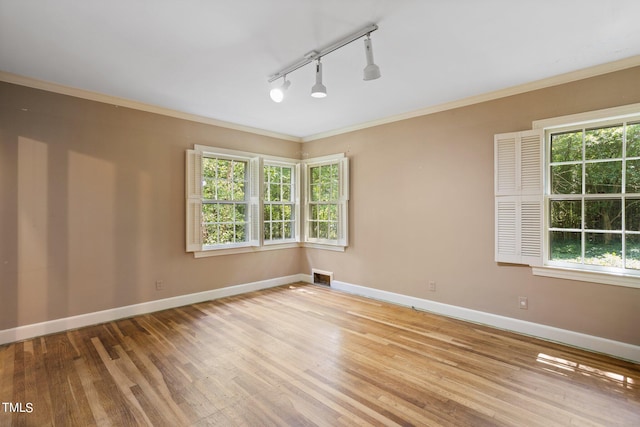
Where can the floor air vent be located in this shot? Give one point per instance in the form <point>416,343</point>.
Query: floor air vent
<point>322,277</point>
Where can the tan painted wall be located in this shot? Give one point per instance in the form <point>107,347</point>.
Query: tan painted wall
<point>422,209</point>
<point>92,208</point>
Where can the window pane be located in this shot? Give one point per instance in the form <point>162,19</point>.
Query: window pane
<point>226,233</point>
<point>565,246</point>
<point>224,169</point>
<point>240,232</point>
<point>276,212</point>
<point>323,230</point>
<point>288,230</point>
<point>267,230</point>
<point>603,177</point>
<point>208,189</point>
<point>276,230</point>
<point>226,213</point>
<point>313,229</point>
<point>603,249</point>
<point>239,170</point>
<point>274,192</point>
<point>209,212</point>
<point>566,179</point>
<point>286,175</point>
<point>238,190</point>
<point>633,176</point>
<point>566,214</point>
<point>603,143</point>
<point>223,190</point>
<point>323,212</point>
<point>267,212</point>
<point>333,230</point>
<point>633,140</point>
<point>240,212</point>
<point>286,212</point>
<point>315,193</point>
<point>210,234</point>
<point>566,147</point>
<point>603,214</point>
<point>633,251</point>
<point>632,220</point>
<point>333,212</point>
<point>286,192</point>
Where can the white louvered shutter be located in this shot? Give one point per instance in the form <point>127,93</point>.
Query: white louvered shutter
<point>193,193</point>
<point>255,201</point>
<point>343,206</point>
<point>297,182</point>
<point>519,205</point>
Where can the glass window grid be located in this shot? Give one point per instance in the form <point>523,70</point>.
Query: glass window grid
<point>323,204</point>
<point>278,204</point>
<point>628,257</point>
<point>224,203</point>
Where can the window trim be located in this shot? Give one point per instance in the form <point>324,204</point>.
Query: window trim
<point>342,240</point>
<point>598,118</point>
<point>295,195</point>
<point>255,197</point>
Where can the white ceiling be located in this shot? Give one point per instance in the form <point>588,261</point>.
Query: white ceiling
<point>212,58</point>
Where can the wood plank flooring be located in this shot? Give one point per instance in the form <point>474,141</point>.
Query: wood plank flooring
<point>304,355</point>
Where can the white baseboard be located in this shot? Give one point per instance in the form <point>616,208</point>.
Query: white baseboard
<point>37,329</point>
<point>576,339</point>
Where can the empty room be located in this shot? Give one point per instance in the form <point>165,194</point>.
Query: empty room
<point>299,213</point>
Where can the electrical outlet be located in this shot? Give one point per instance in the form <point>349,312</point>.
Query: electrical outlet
<point>159,285</point>
<point>432,286</point>
<point>523,303</point>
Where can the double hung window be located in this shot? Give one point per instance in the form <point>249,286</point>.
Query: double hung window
<point>593,197</point>
<point>280,217</point>
<point>239,201</point>
<point>568,196</point>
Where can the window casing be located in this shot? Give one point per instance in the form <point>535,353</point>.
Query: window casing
<point>592,197</point>
<point>567,197</point>
<point>238,202</point>
<point>326,201</point>
<point>280,202</point>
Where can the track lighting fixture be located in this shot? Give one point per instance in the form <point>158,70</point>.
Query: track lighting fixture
<point>371,71</point>
<point>318,90</point>
<point>277,92</point>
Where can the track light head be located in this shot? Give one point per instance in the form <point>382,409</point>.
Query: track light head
<point>371,71</point>
<point>318,90</point>
<point>277,93</point>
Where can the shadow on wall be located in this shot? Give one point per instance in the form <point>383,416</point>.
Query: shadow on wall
<point>77,217</point>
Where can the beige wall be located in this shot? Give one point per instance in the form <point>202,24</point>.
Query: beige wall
<point>92,210</point>
<point>422,209</point>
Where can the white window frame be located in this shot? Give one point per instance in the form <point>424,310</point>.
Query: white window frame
<point>543,266</point>
<point>295,199</point>
<point>255,196</point>
<point>342,240</point>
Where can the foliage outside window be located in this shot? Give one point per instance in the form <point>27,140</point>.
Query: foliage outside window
<point>327,194</point>
<point>224,201</point>
<point>239,202</point>
<point>324,200</point>
<point>279,203</point>
<point>594,197</point>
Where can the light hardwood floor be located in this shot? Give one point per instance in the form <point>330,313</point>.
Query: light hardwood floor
<point>301,355</point>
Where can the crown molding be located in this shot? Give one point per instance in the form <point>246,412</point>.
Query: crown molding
<point>569,77</point>
<point>122,102</point>
<point>572,76</point>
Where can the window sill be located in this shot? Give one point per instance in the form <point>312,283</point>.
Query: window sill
<point>326,247</point>
<point>588,276</point>
<point>245,249</point>
<point>265,247</point>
